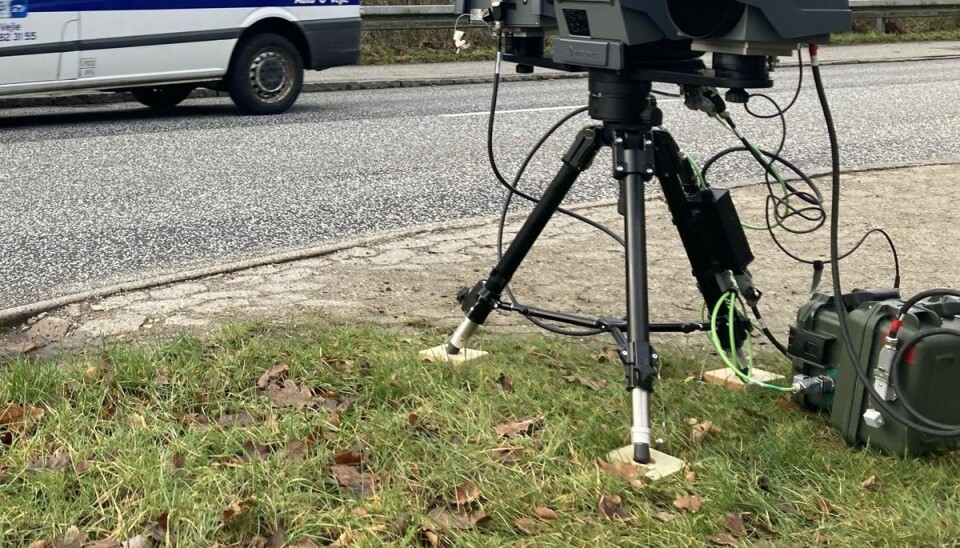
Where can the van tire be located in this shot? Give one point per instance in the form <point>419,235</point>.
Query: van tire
<point>265,75</point>
<point>161,97</point>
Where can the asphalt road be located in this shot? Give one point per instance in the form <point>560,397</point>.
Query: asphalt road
<point>91,196</point>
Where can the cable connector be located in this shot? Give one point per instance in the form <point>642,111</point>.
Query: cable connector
<point>821,384</point>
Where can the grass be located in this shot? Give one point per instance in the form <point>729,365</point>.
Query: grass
<point>142,461</point>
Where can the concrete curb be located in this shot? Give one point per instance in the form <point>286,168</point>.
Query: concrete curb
<point>12,316</point>
<point>95,98</point>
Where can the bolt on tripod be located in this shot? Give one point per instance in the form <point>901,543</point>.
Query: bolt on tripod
<point>706,219</point>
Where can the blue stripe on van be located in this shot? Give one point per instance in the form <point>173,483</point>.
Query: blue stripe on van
<point>128,5</point>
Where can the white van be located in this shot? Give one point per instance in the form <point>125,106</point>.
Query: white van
<point>160,50</point>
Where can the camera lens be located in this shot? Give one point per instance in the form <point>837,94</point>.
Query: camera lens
<point>705,18</point>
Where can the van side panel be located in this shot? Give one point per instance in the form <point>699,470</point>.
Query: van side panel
<point>32,39</point>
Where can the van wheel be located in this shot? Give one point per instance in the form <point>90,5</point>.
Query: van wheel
<point>266,74</point>
<point>162,97</point>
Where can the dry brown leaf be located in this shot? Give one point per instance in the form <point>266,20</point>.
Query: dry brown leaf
<point>505,382</point>
<point>237,508</point>
<point>785,403</point>
<point>361,483</point>
<point>158,530</point>
<point>545,513</point>
<point>290,395</point>
<point>521,427</point>
<point>870,484</point>
<point>40,544</point>
<point>176,461</point>
<point>623,470</point>
<point>238,419</point>
<point>278,539</point>
<point>297,449</point>
<point>465,494</point>
<point>72,539</point>
<point>666,517</point>
<point>195,419</point>
<point>275,371</point>
<point>689,503</point>
<point>136,421</point>
<point>527,526</point>
<point>83,466</point>
<point>508,455</point>
<point>306,543</point>
<point>413,419</point>
<point>19,418</point>
<point>429,538</point>
<point>105,543</point>
<point>346,539</point>
<point>592,384</point>
<point>702,430</point>
<point>608,355</point>
<point>762,483</point>
<point>453,519</point>
<point>724,539</point>
<point>734,524</point>
<point>56,463</point>
<point>254,451</point>
<point>351,456</point>
<point>689,474</point>
<point>610,507</point>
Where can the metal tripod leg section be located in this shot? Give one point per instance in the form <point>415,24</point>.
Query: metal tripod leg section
<point>480,301</point>
<point>633,157</point>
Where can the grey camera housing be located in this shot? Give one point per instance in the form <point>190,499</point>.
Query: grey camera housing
<point>597,33</point>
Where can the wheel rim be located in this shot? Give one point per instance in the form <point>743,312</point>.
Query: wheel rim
<point>271,75</point>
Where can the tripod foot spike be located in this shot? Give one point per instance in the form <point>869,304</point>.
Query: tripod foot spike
<point>658,466</point>
<point>440,354</point>
<point>641,453</point>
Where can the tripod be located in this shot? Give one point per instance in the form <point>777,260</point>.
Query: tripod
<point>707,222</point>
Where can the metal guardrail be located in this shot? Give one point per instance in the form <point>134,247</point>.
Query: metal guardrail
<point>443,16</point>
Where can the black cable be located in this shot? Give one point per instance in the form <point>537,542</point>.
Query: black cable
<point>767,333</point>
<point>513,190</point>
<point>938,292</point>
<point>835,274</point>
<point>796,94</point>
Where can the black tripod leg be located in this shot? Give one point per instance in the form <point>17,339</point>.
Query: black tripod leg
<point>485,296</point>
<point>633,164</point>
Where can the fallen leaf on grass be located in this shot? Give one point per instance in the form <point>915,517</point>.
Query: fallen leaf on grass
<point>136,421</point>
<point>527,526</point>
<point>608,354</point>
<point>158,531</point>
<point>623,470</point>
<point>465,494</point>
<point>361,483</point>
<point>702,430</point>
<point>290,394</point>
<point>592,384</point>
<point>666,517</point>
<point>275,371</point>
<point>176,461</point>
<point>545,513</point>
<point>517,428</point>
<point>785,403</point>
<point>237,508</point>
<point>297,449</point>
<point>276,540</point>
<point>56,463</point>
<point>459,520</point>
<point>762,483</point>
<point>734,524</point>
<point>689,503</point>
<point>72,539</point>
<point>610,507</point>
<point>196,420</point>
<point>689,474</point>
<point>254,451</point>
<point>870,484</point>
<point>40,544</point>
<point>724,539</point>
<point>352,456</point>
<point>235,420</point>
<point>508,455</point>
<point>19,419</point>
<point>506,384</point>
